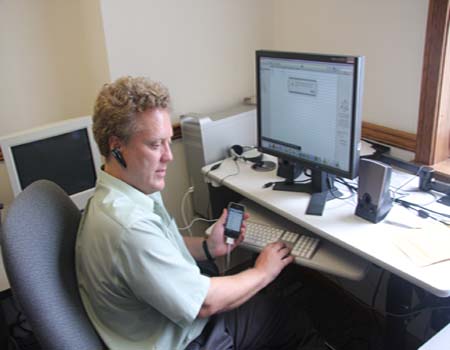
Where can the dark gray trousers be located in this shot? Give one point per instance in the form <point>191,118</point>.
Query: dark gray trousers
<point>262,323</point>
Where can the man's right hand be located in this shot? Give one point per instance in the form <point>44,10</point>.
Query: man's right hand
<point>273,259</point>
<point>228,292</point>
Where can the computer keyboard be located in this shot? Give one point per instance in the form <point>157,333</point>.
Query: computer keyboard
<point>259,235</point>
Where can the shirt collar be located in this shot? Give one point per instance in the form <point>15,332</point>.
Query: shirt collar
<point>108,181</point>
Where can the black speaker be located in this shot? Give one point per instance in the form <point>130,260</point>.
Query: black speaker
<point>374,199</point>
<point>288,170</point>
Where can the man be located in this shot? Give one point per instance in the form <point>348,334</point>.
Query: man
<point>137,275</point>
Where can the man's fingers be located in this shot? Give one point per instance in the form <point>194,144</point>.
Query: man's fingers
<point>223,217</point>
<point>288,259</point>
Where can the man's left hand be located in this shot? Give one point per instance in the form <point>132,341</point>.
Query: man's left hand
<point>216,241</point>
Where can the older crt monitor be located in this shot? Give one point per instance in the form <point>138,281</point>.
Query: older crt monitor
<point>63,152</point>
<point>309,116</point>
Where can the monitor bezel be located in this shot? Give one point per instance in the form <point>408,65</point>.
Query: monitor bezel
<point>358,79</point>
<point>7,143</point>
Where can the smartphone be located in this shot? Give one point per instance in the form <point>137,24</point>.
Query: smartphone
<point>234,220</point>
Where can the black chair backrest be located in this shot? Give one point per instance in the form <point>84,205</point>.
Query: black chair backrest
<point>38,247</point>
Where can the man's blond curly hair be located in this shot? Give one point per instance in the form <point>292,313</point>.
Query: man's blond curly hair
<point>119,104</point>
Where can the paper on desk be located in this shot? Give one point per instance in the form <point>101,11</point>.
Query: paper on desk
<point>426,245</point>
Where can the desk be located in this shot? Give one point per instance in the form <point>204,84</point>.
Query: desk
<point>339,225</point>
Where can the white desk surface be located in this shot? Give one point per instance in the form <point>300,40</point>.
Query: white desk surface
<point>338,224</point>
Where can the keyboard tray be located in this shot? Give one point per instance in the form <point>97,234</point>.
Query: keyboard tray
<point>328,258</point>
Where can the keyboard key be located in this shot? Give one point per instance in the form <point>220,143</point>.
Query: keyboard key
<point>259,235</point>
<point>305,247</point>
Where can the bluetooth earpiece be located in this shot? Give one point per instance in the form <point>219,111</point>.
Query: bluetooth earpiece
<point>119,157</point>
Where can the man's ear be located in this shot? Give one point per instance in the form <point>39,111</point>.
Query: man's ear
<point>114,148</point>
<point>114,143</point>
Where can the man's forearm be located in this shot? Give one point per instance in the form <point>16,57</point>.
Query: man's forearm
<point>228,292</point>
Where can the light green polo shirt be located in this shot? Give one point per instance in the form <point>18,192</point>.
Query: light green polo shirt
<point>139,284</point>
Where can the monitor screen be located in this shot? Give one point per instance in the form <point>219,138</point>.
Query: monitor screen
<point>64,152</point>
<point>309,109</point>
<point>64,159</point>
<point>309,116</point>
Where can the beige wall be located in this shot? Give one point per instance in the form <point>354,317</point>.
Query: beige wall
<point>52,61</point>
<point>48,68</point>
<point>202,50</point>
<point>389,33</point>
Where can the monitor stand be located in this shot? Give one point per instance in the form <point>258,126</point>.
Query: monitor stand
<point>321,188</point>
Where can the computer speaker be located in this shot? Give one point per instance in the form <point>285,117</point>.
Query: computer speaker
<point>374,199</point>
<point>288,170</point>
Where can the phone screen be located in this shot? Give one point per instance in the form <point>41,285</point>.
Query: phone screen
<point>234,220</point>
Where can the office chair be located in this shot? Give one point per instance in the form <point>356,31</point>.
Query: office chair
<point>38,247</point>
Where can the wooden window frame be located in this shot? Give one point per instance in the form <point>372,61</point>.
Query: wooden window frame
<point>433,129</point>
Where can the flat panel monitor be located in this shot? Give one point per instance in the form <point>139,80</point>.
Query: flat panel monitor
<point>63,152</point>
<point>309,116</point>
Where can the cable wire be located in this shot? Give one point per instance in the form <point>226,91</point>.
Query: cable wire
<point>415,312</point>
<point>228,256</point>
<point>332,189</point>
<point>183,214</point>
<point>394,193</point>
<point>194,221</point>
<point>234,174</point>
<point>421,210</point>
